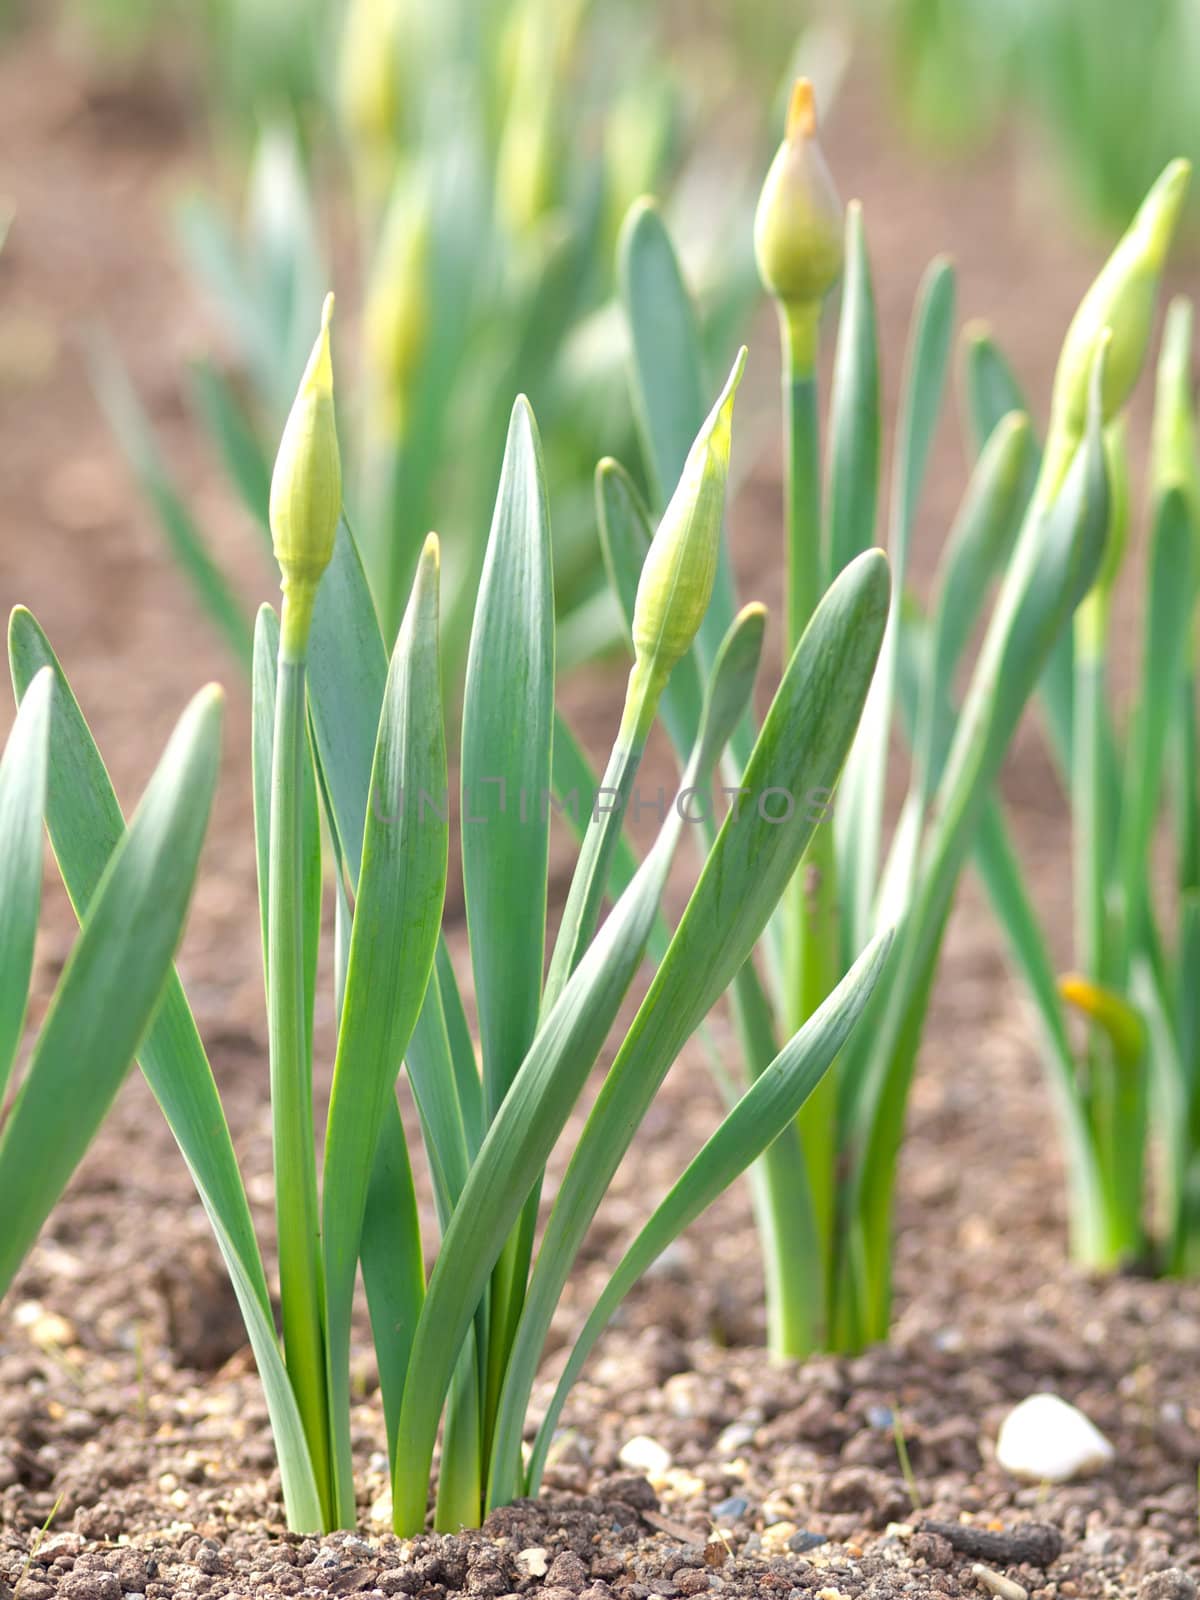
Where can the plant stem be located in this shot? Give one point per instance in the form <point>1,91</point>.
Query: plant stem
<point>811,957</point>
<point>297,1212</point>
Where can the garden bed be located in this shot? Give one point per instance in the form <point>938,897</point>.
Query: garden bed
<point>126,1398</point>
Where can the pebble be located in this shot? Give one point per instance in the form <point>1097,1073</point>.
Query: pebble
<point>996,1583</point>
<point>734,1438</point>
<point>534,1561</point>
<point>731,1510</point>
<point>1173,1583</point>
<point>1045,1440</point>
<point>646,1455</point>
<point>779,1535</point>
<point>804,1540</point>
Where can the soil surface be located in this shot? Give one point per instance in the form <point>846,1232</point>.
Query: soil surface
<point>131,1419</point>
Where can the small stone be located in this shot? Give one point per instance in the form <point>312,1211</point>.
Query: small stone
<point>646,1455</point>
<point>534,1562</point>
<point>779,1535</point>
<point>734,1438</point>
<point>880,1417</point>
<point>1045,1440</point>
<point>567,1571</point>
<point>1172,1583</point>
<point>732,1509</point>
<point>568,1449</point>
<point>691,1580</point>
<point>45,1328</point>
<point>803,1540</point>
<point>996,1583</point>
<point>92,1586</point>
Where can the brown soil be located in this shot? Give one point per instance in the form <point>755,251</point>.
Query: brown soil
<point>129,1410</point>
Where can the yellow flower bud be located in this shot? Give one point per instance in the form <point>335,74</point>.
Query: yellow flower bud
<point>306,490</point>
<point>397,312</point>
<point>1122,298</point>
<point>369,90</point>
<point>1120,1021</point>
<point>681,565</point>
<point>525,163</point>
<point>798,224</point>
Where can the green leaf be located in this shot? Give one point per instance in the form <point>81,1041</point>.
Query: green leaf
<point>262,739</point>
<point>508,724</point>
<point>86,824</point>
<point>187,544</point>
<point>763,1113</point>
<point>670,395</point>
<point>530,1119</point>
<point>393,1266</point>
<point>1168,622</point>
<point>799,753</point>
<point>1055,563</point>
<point>397,920</point>
<point>230,430</point>
<point>990,387</point>
<point>979,543</point>
<point>347,670</point>
<point>112,981</point>
<point>854,410</point>
<point>860,815</point>
<point>22,802</point>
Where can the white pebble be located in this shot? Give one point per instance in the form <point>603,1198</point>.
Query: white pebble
<point>998,1584</point>
<point>534,1561</point>
<point>1045,1440</point>
<point>646,1455</point>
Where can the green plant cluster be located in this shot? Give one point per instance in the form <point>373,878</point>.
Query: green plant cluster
<point>824,941</point>
<point>483,155</point>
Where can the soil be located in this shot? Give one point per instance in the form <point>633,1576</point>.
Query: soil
<point>131,1421</point>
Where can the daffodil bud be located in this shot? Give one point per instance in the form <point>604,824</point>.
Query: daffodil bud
<point>396,316</point>
<point>798,242</point>
<point>306,491</point>
<point>1120,1021</point>
<point>369,90</point>
<point>525,163</point>
<point>1122,298</point>
<point>677,577</point>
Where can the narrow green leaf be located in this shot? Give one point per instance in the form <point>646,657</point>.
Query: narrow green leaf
<point>397,919</point>
<point>763,1113</point>
<point>231,431</point>
<point>112,982</point>
<point>855,424</point>
<point>530,1119</point>
<point>508,723</point>
<point>859,818</point>
<point>393,1266</point>
<point>990,387</point>
<point>85,824</point>
<point>22,803</point>
<point>798,756</point>
<point>187,544</point>
<point>262,738</point>
<point>670,395</point>
<point>1168,621</point>
<point>347,670</point>
<point>1055,563</point>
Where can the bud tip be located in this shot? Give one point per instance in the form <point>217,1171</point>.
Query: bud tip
<point>802,111</point>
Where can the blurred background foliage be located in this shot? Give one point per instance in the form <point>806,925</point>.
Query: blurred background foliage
<point>459,170</point>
